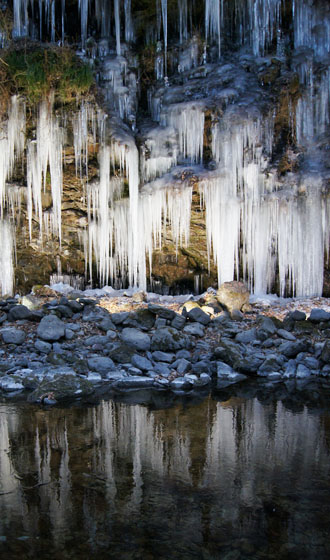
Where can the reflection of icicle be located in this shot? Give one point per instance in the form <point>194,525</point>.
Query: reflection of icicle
<point>6,258</point>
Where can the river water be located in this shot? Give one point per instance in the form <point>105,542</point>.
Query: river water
<point>226,476</point>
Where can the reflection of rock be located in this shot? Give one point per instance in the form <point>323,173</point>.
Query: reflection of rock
<point>233,295</point>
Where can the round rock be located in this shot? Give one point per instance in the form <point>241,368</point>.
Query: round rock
<point>136,339</point>
<point>51,328</point>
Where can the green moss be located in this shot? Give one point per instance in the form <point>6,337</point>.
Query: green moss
<point>35,72</point>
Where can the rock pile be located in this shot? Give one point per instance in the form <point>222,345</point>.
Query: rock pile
<point>72,346</point>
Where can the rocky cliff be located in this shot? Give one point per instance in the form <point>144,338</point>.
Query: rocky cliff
<point>165,144</point>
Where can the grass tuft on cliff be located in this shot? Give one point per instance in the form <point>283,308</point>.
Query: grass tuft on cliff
<point>36,71</point>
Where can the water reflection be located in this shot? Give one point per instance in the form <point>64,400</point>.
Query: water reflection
<point>233,479</point>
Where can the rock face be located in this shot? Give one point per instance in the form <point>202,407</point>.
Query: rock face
<point>179,140</point>
<point>233,295</point>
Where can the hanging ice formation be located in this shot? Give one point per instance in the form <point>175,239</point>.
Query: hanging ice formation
<point>212,122</point>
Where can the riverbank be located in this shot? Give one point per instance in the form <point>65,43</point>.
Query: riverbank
<point>59,344</point>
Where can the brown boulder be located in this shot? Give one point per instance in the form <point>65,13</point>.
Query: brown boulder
<point>233,295</point>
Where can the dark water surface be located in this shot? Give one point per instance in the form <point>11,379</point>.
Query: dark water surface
<point>229,479</point>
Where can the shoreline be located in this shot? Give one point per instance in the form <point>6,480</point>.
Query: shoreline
<point>58,346</point>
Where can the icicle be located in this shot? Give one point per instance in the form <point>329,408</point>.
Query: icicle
<point>212,21</point>
<point>188,120</point>
<point>162,153</point>
<point>164,18</point>
<point>83,8</point>
<point>129,30</point>
<point>21,20</point>
<point>6,258</point>
<point>62,20</point>
<point>183,20</point>
<point>11,143</point>
<point>48,152</point>
<point>117,25</point>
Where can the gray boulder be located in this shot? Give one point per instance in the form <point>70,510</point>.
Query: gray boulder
<point>198,315</point>
<point>43,347</point>
<point>267,326</point>
<point>229,352</point>
<point>159,356</point>
<point>325,354</point>
<point>296,315</point>
<point>181,365</point>
<point>317,315</point>
<point>136,338</point>
<point>286,335</point>
<point>168,339</point>
<point>141,362</point>
<point>195,329</point>
<point>19,312</point>
<point>271,364</point>
<point>13,336</point>
<point>162,369</point>
<point>302,372</point>
<point>97,339</point>
<point>101,364</point>
<point>292,349</point>
<point>247,336</point>
<point>161,311</point>
<point>134,382</point>
<point>178,322</point>
<point>51,328</point>
<point>223,370</point>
